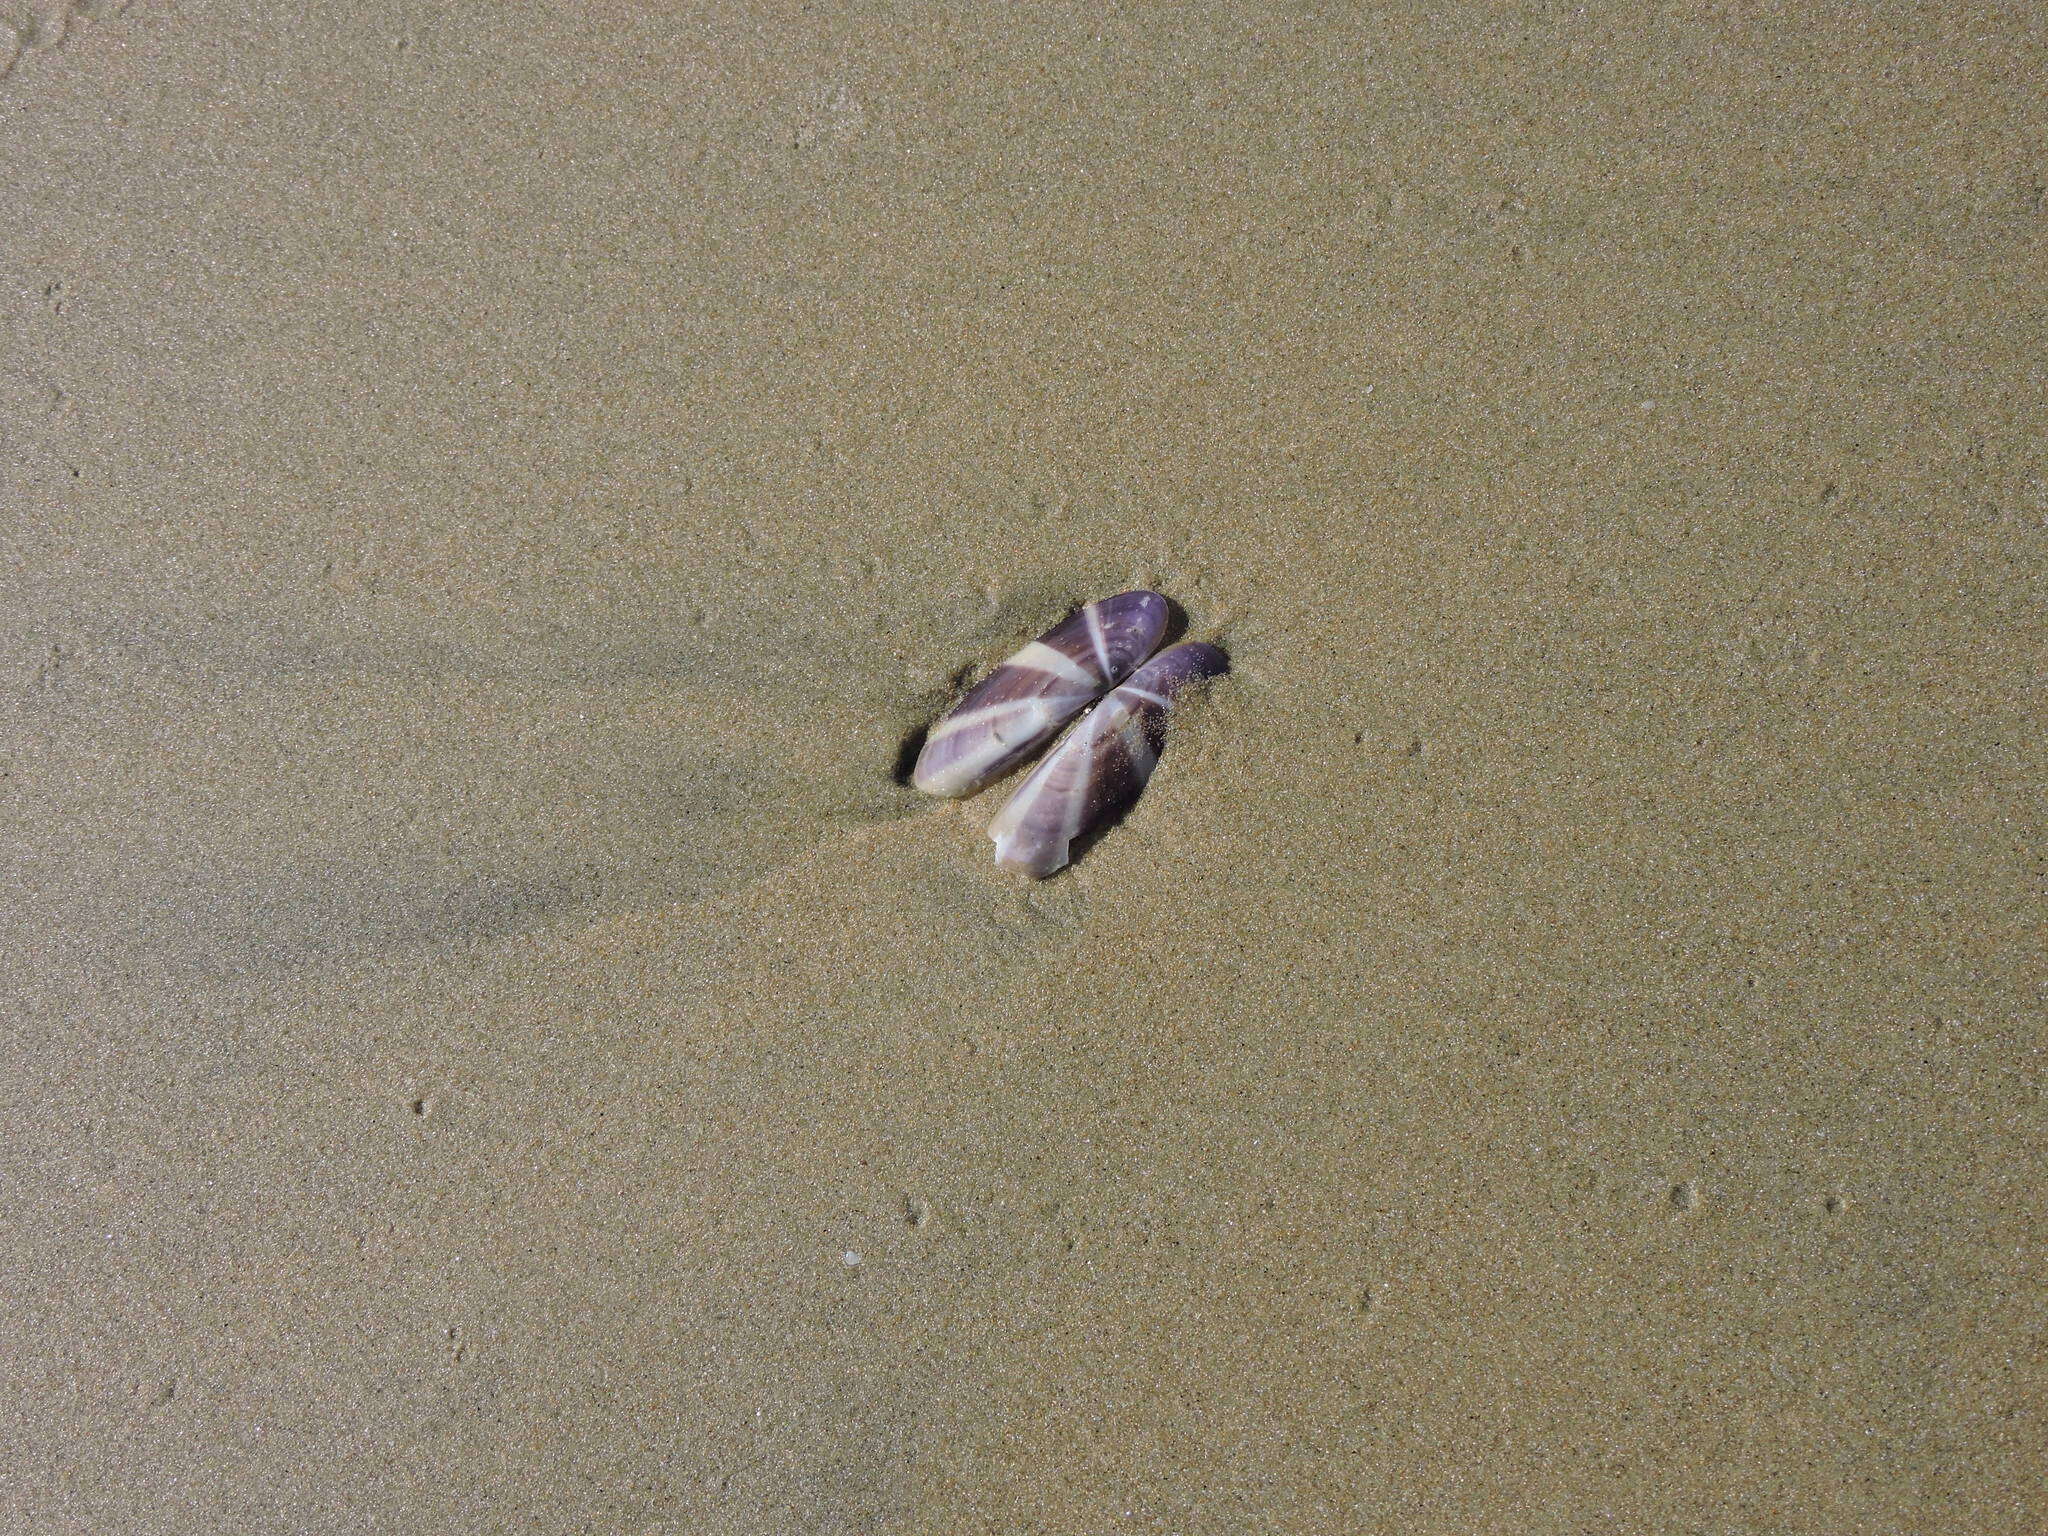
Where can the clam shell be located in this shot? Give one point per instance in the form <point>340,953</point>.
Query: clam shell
<point>1101,766</point>
<point>1009,713</point>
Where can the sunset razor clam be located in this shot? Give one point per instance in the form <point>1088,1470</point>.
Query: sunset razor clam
<point>1100,769</point>
<point>1010,713</point>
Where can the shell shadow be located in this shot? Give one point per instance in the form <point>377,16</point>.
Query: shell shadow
<point>907,751</point>
<point>1083,845</point>
<point>1176,625</point>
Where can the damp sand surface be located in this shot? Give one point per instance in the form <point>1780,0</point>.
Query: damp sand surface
<point>490,1043</point>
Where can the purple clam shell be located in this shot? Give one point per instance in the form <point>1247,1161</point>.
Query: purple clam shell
<point>1007,715</point>
<point>1101,766</point>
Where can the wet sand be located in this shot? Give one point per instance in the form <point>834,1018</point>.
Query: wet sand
<point>492,1046</point>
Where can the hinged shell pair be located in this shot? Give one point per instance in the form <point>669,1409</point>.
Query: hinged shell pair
<point>1100,767</point>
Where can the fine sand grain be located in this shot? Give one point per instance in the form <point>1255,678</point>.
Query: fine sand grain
<point>491,1045</point>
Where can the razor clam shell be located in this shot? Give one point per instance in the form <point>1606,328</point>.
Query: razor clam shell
<point>1017,707</point>
<point>1100,768</point>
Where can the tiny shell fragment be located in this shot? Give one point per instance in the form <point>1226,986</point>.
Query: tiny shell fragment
<point>1009,713</point>
<point>1101,767</point>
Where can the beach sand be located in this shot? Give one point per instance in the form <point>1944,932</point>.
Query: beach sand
<point>492,1046</point>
